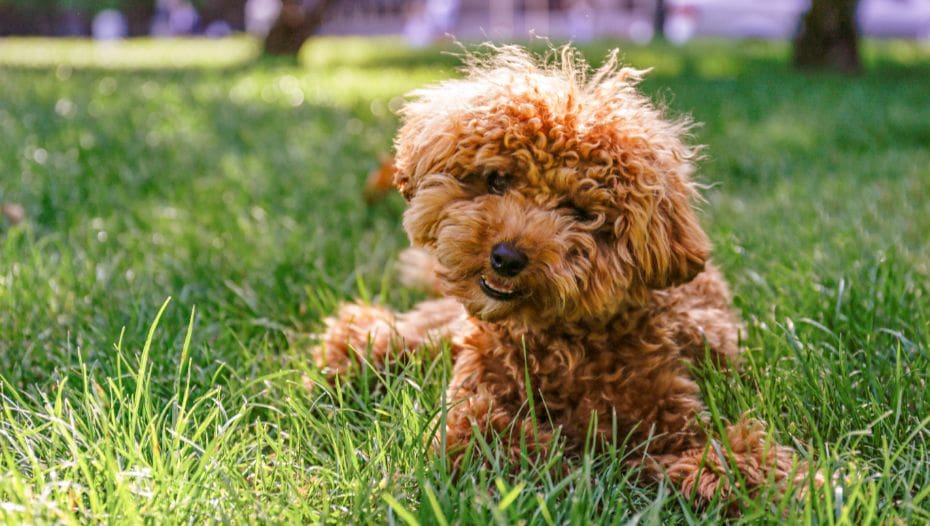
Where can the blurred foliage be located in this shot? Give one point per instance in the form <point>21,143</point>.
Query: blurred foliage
<point>69,17</point>
<point>85,6</point>
<point>74,17</point>
<point>82,6</point>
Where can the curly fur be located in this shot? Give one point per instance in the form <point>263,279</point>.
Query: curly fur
<point>593,183</point>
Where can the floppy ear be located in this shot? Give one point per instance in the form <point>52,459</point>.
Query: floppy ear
<point>403,163</point>
<point>425,155</point>
<point>421,149</point>
<point>420,156</point>
<point>663,237</point>
<point>426,140</point>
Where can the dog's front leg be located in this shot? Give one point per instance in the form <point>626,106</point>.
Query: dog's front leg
<point>747,458</point>
<point>369,333</point>
<point>484,404</point>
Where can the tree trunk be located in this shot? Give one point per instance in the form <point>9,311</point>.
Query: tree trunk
<point>230,11</point>
<point>828,38</point>
<point>294,25</point>
<point>139,15</point>
<point>659,20</point>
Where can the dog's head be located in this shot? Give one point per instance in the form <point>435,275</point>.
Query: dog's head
<point>548,193</point>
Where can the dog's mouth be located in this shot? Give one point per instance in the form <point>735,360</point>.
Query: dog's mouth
<point>497,291</point>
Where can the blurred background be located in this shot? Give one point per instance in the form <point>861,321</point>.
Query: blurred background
<point>284,25</point>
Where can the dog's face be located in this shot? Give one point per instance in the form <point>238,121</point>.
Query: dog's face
<point>547,196</point>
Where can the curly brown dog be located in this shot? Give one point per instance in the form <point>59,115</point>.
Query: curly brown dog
<point>552,207</point>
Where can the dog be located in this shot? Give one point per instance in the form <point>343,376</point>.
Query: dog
<point>551,208</point>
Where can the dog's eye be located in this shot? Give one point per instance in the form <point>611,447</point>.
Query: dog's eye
<point>497,183</point>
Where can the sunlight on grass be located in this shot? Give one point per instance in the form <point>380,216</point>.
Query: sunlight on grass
<point>128,54</point>
<point>230,182</point>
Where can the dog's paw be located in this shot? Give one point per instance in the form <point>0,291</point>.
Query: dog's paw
<point>356,334</point>
<point>419,270</point>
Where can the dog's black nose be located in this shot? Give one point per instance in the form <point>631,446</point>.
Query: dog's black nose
<point>508,260</point>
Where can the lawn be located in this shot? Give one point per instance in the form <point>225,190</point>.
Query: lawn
<point>231,184</point>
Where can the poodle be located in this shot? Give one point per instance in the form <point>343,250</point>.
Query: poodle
<point>550,209</point>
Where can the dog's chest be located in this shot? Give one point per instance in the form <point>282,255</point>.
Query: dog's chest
<point>572,378</point>
<point>565,370</point>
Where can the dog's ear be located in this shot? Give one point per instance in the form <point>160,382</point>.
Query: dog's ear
<point>426,140</point>
<point>660,233</point>
<point>402,178</point>
<point>657,230</point>
<point>407,147</point>
<point>417,152</point>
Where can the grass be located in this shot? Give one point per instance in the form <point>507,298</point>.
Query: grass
<point>195,171</point>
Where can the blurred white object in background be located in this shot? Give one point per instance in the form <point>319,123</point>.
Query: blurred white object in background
<point>173,17</point>
<point>536,19</point>
<point>581,21</point>
<point>895,18</point>
<point>733,18</point>
<point>109,24</point>
<point>260,15</point>
<point>423,21</point>
<point>430,20</point>
<point>218,29</point>
<point>781,18</point>
<point>501,19</point>
<point>681,26</point>
<point>641,31</point>
<point>442,14</point>
<point>416,27</point>
<point>182,17</point>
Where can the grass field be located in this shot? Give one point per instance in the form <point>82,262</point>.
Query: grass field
<point>231,184</point>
